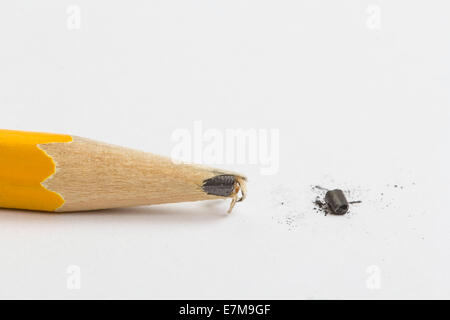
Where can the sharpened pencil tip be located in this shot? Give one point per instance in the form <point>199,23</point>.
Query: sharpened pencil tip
<point>222,185</point>
<point>226,185</point>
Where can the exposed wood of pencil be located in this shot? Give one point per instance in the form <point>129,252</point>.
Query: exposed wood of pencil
<point>92,175</point>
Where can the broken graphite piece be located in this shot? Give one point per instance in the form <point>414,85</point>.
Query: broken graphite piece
<point>336,201</point>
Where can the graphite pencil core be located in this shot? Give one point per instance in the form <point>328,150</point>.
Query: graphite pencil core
<point>226,185</point>
<point>222,185</point>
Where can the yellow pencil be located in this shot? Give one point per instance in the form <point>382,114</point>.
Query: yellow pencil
<point>60,173</point>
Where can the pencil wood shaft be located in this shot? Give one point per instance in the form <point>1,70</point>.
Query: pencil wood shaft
<point>83,174</point>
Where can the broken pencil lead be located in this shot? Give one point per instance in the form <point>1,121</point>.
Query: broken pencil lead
<point>336,201</point>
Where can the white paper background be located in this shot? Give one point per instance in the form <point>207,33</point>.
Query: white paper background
<point>360,103</point>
